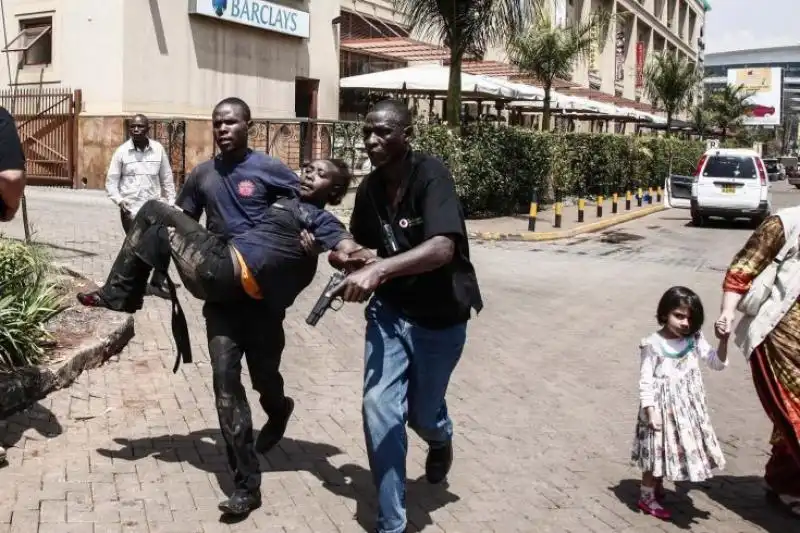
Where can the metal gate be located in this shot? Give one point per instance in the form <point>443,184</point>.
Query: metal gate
<point>172,136</point>
<point>47,122</point>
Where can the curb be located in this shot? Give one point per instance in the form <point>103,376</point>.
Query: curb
<point>20,389</point>
<point>531,236</point>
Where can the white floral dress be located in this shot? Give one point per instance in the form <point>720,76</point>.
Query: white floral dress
<point>686,448</point>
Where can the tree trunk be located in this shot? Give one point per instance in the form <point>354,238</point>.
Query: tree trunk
<point>724,133</point>
<point>669,124</point>
<point>454,88</point>
<point>546,108</point>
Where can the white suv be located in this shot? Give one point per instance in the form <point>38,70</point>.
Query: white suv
<point>730,183</point>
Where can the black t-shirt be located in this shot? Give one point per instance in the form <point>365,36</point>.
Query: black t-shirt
<point>11,155</point>
<point>429,207</point>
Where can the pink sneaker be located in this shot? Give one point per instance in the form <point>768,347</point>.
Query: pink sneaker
<point>653,508</point>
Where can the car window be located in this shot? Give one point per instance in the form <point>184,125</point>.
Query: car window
<point>730,166</point>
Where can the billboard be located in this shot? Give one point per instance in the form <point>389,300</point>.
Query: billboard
<point>766,86</point>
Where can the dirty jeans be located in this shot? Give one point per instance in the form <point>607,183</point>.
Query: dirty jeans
<point>158,279</point>
<point>252,330</point>
<point>160,232</point>
<point>406,372</point>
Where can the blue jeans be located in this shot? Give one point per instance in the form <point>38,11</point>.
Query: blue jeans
<point>406,372</point>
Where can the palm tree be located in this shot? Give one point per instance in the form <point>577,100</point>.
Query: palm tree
<point>465,26</point>
<point>670,81</point>
<point>547,51</point>
<point>701,119</point>
<point>728,105</point>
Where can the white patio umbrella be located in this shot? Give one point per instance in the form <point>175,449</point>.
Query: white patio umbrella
<point>427,79</point>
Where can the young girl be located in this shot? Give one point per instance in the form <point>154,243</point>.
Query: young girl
<point>674,438</point>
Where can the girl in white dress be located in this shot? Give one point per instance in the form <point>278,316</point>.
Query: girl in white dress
<point>674,438</point>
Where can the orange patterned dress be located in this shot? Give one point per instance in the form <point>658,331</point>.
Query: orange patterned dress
<point>775,363</point>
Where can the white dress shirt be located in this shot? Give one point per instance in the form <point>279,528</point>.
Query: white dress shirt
<point>136,176</point>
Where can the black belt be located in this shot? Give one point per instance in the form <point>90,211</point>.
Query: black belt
<point>180,329</point>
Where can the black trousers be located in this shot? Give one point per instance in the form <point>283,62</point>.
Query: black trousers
<point>158,279</point>
<point>157,234</point>
<point>237,326</point>
<point>255,332</point>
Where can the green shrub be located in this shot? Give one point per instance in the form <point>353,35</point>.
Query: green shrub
<point>497,168</point>
<point>28,298</point>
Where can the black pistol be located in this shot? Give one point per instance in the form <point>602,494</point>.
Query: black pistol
<point>325,299</point>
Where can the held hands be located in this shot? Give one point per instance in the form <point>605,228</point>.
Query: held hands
<point>724,325</point>
<point>359,285</point>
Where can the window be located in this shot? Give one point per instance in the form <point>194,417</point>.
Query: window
<point>34,41</point>
<point>730,167</point>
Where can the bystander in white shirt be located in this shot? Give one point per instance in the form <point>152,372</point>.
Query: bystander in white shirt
<point>136,176</point>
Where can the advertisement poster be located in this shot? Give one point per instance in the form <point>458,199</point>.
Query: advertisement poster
<point>766,86</point>
<point>639,64</point>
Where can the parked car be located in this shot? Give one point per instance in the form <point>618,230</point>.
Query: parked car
<point>773,169</point>
<point>730,183</point>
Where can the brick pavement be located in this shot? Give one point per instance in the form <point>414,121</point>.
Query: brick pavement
<point>544,403</point>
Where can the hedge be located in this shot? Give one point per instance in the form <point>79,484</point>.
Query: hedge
<point>496,167</point>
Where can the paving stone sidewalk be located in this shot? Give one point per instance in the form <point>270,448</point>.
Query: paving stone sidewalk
<point>544,404</point>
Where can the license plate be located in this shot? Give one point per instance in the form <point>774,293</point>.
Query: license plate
<point>729,189</point>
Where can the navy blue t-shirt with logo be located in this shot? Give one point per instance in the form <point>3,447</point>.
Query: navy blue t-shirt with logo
<point>236,196</point>
<point>239,199</point>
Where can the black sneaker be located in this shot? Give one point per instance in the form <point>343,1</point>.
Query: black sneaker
<point>272,432</point>
<point>241,503</point>
<point>439,461</point>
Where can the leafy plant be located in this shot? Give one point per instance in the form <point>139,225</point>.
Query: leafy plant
<point>671,81</point>
<point>728,106</point>
<point>547,51</point>
<point>466,27</point>
<point>28,298</point>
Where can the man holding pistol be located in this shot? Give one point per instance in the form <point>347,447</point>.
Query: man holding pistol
<point>424,290</point>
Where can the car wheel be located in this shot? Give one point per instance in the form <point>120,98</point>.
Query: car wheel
<point>798,186</point>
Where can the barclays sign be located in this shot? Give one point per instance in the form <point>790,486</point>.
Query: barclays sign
<point>255,13</point>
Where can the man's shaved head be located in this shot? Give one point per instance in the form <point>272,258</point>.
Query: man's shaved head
<point>398,112</point>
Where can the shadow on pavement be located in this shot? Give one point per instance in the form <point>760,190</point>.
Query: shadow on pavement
<point>745,496</point>
<point>742,495</point>
<point>205,451</point>
<point>36,417</point>
<point>684,513</point>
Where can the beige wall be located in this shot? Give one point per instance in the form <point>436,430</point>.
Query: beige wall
<point>152,57</point>
<point>87,47</point>
<point>179,65</point>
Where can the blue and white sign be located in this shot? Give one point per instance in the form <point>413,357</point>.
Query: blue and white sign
<point>257,14</point>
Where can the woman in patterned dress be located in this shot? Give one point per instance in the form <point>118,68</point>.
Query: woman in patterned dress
<point>775,363</point>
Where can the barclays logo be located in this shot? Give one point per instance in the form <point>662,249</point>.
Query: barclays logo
<point>219,6</point>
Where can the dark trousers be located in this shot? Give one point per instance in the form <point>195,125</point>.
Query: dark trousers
<point>157,234</point>
<point>158,279</point>
<point>252,330</point>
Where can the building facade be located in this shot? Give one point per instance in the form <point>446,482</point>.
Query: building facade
<point>786,58</point>
<point>172,59</point>
<point>613,73</point>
